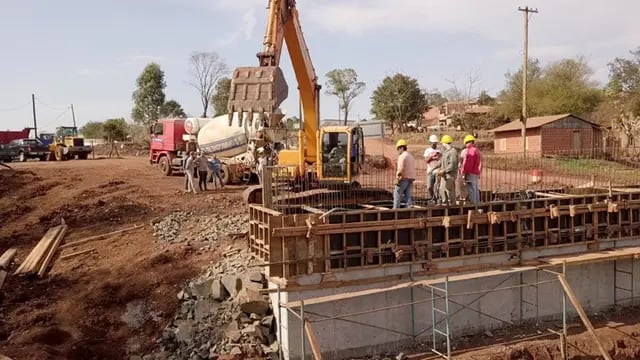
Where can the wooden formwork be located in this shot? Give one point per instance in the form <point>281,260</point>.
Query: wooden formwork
<point>310,241</point>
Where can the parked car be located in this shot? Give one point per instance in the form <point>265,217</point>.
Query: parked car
<point>24,149</point>
<point>6,154</point>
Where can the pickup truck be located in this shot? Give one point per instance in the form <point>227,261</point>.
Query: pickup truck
<point>6,154</point>
<point>24,149</point>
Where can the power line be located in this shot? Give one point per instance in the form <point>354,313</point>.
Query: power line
<point>50,106</point>
<point>15,108</point>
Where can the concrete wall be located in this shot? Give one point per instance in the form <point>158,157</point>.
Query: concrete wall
<point>340,339</point>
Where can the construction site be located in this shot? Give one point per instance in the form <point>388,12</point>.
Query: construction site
<point>308,249</point>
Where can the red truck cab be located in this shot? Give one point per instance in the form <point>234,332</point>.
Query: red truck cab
<point>167,146</point>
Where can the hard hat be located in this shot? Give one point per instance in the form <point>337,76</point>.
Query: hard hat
<point>260,149</point>
<point>433,139</point>
<point>469,138</point>
<point>401,142</point>
<point>446,139</point>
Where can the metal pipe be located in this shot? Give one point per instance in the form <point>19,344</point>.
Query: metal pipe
<point>448,317</point>
<point>279,323</point>
<point>302,333</point>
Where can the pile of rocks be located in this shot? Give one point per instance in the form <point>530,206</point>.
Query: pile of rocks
<point>223,315</point>
<point>191,227</point>
<point>167,229</point>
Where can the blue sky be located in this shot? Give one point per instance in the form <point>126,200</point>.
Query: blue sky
<point>90,52</point>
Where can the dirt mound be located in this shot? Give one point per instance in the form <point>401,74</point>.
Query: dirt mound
<point>112,211</point>
<point>14,180</point>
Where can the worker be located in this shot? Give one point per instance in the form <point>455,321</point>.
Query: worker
<point>432,156</point>
<point>471,168</point>
<point>405,175</point>
<point>262,164</point>
<point>448,172</point>
<point>202,164</point>
<point>189,168</point>
<point>216,171</point>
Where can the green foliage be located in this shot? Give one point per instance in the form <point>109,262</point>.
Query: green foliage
<point>115,129</point>
<point>138,134</point>
<point>471,122</point>
<point>220,97</point>
<point>344,84</point>
<point>564,86</point>
<point>149,95</point>
<point>172,109</point>
<point>92,130</point>
<point>485,99</point>
<point>435,98</point>
<point>623,98</point>
<point>398,100</point>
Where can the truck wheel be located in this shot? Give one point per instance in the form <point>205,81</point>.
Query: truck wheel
<point>43,157</point>
<point>225,174</point>
<point>51,156</point>
<point>22,157</point>
<point>165,166</point>
<point>60,155</point>
<point>83,156</point>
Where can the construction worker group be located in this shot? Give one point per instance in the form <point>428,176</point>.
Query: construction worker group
<point>444,168</point>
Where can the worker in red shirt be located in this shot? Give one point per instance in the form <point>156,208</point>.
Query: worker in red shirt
<point>471,168</point>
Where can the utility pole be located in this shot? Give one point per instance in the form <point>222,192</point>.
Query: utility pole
<point>525,62</point>
<point>35,123</point>
<point>73,116</point>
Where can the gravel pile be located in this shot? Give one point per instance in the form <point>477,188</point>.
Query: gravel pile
<point>222,316</point>
<point>180,227</point>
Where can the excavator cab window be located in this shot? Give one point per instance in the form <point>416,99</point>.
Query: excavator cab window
<point>335,152</point>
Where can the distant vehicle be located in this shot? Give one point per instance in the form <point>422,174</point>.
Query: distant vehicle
<point>8,135</point>
<point>437,127</point>
<point>67,144</point>
<point>47,138</point>
<point>24,149</point>
<point>6,154</point>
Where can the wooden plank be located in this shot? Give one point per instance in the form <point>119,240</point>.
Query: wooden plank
<point>30,262</point>
<point>315,347</point>
<point>7,256</point>
<point>74,254</point>
<point>311,209</point>
<point>99,237</point>
<point>583,315</point>
<point>52,251</point>
<point>3,276</point>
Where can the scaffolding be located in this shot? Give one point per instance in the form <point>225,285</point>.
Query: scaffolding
<point>441,297</point>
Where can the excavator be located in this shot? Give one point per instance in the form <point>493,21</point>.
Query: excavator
<point>325,157</point>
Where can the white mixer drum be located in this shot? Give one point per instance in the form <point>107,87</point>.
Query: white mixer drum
<point>193,125</point>
<point>217,137</point>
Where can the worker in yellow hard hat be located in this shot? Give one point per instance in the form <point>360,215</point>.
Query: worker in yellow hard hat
<point>448,171</point>
<point>405,174</point>
<point>470,168</point>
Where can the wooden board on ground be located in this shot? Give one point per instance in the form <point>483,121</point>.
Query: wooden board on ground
<point>3,276</point>
<point>51,253</point>
<point>98,237</point>
<point>7,256</point>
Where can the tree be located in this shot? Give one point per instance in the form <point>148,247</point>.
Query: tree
<point>344,84</point>
<point>485,99</point>
<point>435,98</point>
<point>92,130</point>
<point>465,92</point>
<point>206,69</point>
<point>149,96</point>
<point>220,97</point>
<point>624,94</point>
<point>115,129</point>
<point>564,86</point>
<point>172,108</point>
<point>398,100</point>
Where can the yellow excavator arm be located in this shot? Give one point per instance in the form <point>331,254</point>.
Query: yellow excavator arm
<point>262,89</point>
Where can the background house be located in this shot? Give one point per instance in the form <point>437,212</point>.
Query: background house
<point>564,134</point>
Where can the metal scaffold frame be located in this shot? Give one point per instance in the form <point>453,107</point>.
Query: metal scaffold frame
<point>441,311</point>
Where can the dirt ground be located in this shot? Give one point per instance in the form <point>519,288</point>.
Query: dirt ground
<point>77,311</point>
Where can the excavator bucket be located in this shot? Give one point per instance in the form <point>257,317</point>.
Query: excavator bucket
<point>256,90</point>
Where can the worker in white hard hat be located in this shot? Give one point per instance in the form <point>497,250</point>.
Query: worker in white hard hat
<point>432,156</point>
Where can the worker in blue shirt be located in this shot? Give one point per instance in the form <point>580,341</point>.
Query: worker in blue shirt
<point>216,170</point>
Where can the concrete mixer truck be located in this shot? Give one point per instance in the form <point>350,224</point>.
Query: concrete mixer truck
<point>170,139</point>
